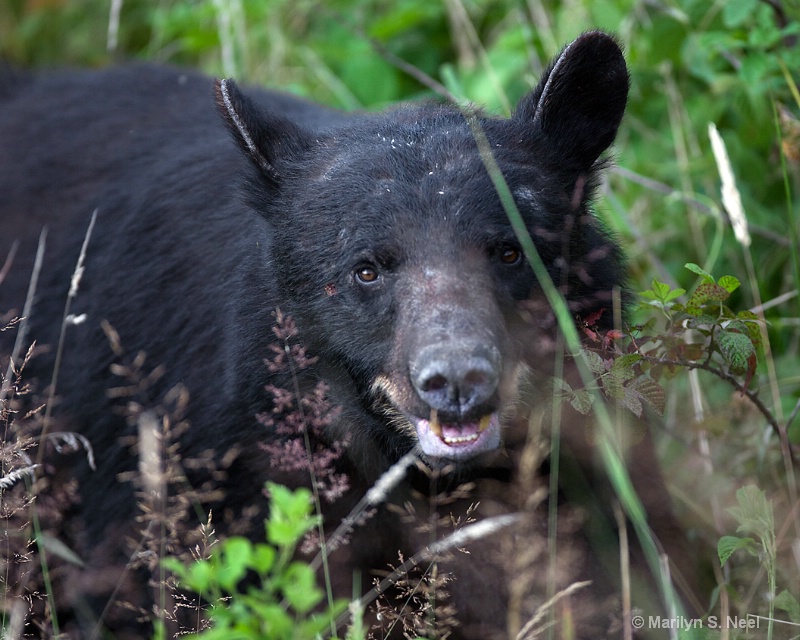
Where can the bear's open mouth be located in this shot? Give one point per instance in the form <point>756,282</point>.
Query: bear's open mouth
<point>457,441</point>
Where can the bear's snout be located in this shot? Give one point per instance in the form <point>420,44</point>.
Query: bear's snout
<point>456,380</point>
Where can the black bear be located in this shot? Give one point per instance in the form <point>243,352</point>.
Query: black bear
<point>378,245</point>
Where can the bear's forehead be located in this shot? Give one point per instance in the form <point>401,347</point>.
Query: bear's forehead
<point>421,178</point>
<point>401,154</point>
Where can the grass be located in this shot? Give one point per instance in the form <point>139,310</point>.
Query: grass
<point>692,63</point>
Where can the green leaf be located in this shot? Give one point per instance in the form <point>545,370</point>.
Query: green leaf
<point>737,349</point>
<point>694,268</point>
<point>613,382</point>
<point>728,545</point>
<point>234,562</point>
<point>706,293</point>
<point>675,293</point>
<point>729,283</point>
<point>300,587</point>
<point>650,392</point>
<point>626,361</point>
<point>751,321</point>
<point>176,568</point>
<point>594,362</point>
<point>754,513</point>
<point>263,558</point>
<point>788,603</point>
<point>632,402</point>
<point>581,400</point>
<point>736,12</point>
<point>559,384</point>
<point>200,576</point>
<point>661,289</point>
<point>289,516</point>
<point>272,621</point>
<point>293,505</point>
<point>318,625</point>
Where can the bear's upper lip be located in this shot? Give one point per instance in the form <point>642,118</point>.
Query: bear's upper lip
<point>457,441</point>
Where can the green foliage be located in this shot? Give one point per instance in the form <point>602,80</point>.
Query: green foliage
<point>701,332</point>
<point>256,590</point>
<point>733,336</point>
<point>755,517</point>
<point>785,601</point>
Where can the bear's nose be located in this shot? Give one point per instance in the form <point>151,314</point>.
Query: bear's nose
<point>455,380</point>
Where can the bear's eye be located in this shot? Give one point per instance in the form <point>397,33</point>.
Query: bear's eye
<point>511,256</point>
<point>367,274</point>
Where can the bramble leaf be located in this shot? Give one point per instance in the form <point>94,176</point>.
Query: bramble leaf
<point>613,382</point>
<point>581,400</point>
<point>788,603</point>
<point>661,292</point>
<point>754,513</point>
<point>734,14</point>
<point>728,545</point>
<point>234,561</point>
<point>729,283</point>
<point>594,362</point>
<point>750,321</point>
<point>631,401</point>
<point>626,361</point>
<point>694,268</point>
<point>737,349</point>
<point>650,391</point>
<point>706,293</point>
<point>300,588</point>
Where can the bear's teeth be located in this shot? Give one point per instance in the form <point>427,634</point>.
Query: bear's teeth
<point>435,427</point>
<point>461,439</point>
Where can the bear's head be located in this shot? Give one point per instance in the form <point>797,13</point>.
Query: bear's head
<point>396,249</point>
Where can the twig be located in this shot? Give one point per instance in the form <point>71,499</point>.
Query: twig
<point>723,375</point>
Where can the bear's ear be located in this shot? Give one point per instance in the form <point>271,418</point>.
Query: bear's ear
<point>266,138</point>
<point>580,99</point>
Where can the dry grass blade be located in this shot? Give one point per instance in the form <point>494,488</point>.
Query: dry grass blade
<point>22,331</point>
<point>459,538</point>
<point>376,495</point>
<point>530,631</point>
<point>10,479</point>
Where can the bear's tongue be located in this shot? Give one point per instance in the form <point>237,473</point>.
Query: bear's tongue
<point>458,440</point>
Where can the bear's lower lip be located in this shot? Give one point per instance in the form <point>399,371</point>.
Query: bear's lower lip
<point>458,441</point>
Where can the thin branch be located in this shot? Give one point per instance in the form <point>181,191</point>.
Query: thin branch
<point>730,379</point>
